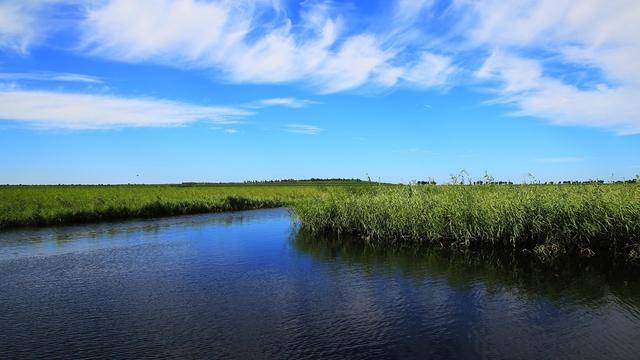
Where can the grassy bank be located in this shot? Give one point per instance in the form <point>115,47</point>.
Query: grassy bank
<point>546,220</point>
<point>50,205</point>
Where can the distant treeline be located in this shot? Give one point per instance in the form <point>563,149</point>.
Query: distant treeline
<point>277,181</point>
<point>564,182</point>
<point>301,180</point>
<point>454,180</point>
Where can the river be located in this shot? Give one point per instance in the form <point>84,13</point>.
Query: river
<point>251,285</point>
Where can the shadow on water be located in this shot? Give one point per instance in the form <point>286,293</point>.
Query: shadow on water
<point>576,281</point>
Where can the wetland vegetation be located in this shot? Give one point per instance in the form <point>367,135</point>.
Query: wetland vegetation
<point>550,221</point>
<point>65,204</point>
<point>547,220</point>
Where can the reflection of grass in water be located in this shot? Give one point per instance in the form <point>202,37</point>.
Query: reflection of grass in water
<point>548,220</point>
<point>577,280</point>
<point>66,234</point>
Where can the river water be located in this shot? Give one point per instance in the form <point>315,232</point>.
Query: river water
<point>251,285</point>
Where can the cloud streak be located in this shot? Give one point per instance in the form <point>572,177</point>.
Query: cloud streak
<point>51,76</point>
<point>289,102</point>
<point>47,109</point>
<point>304,129</point>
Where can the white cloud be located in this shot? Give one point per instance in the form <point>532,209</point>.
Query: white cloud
<point>82,111</point>
<point>17,25</point>
<point>231,131</point>
<point>51,76</point>
<point>528,39</point>
<point>532,47</point>
<point>553,24</point>
<point>284,101</point>
<point>523,83</point>
<point>430,70</point>
<point>353,65</point>
<point>249,42</point>
<point>24,23</point>
<point>303,129</point>
<point>407,11</point>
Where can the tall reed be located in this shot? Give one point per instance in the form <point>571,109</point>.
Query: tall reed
<point>549,220</point>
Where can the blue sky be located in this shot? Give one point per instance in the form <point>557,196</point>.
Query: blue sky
<point>166,91</point>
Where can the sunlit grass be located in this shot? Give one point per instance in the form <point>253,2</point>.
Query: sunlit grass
<point>547,220</point>
<point>49,205</point>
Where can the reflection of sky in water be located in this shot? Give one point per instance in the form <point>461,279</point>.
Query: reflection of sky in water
<point>247,283</point>
<point>62,239</point>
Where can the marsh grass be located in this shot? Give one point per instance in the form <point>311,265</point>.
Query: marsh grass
<point>52,205</point>
<point>550,221</point>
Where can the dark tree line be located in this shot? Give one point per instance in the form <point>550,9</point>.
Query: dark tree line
<point>563,182</point>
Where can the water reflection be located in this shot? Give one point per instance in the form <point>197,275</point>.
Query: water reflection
<point>250,285</point>
<point>579,281</point>
<point>496,305</point>
<point>28,242</point>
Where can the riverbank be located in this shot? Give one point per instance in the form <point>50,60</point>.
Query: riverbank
<point>73,204</point>
<point>247,283</point>
<point>549,221</point>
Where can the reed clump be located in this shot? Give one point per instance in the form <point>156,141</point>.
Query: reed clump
<point>550,221</point>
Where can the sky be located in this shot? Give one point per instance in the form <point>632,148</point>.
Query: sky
<point>166,91</point>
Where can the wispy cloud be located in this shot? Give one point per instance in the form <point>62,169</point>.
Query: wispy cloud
<point>17,26</point>
<point>24,23</point>
<point>51,76</point>
<point>559,159</point>
<point>304,129</point>
<point>528,41</point>
<point>522,83</point>
<point>290,102</point>
<point>225,130</point>
<point>522,50</point>
<point>49,109</point>
<point>256,42</point>
<point>78,110</point>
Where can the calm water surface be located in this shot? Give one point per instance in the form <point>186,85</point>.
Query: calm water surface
<point>249,285</point>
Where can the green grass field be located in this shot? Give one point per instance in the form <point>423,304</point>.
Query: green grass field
<point>546,220</point>
<point>49,205</point>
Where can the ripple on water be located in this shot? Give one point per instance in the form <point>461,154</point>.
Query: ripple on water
<point>249,285</point>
